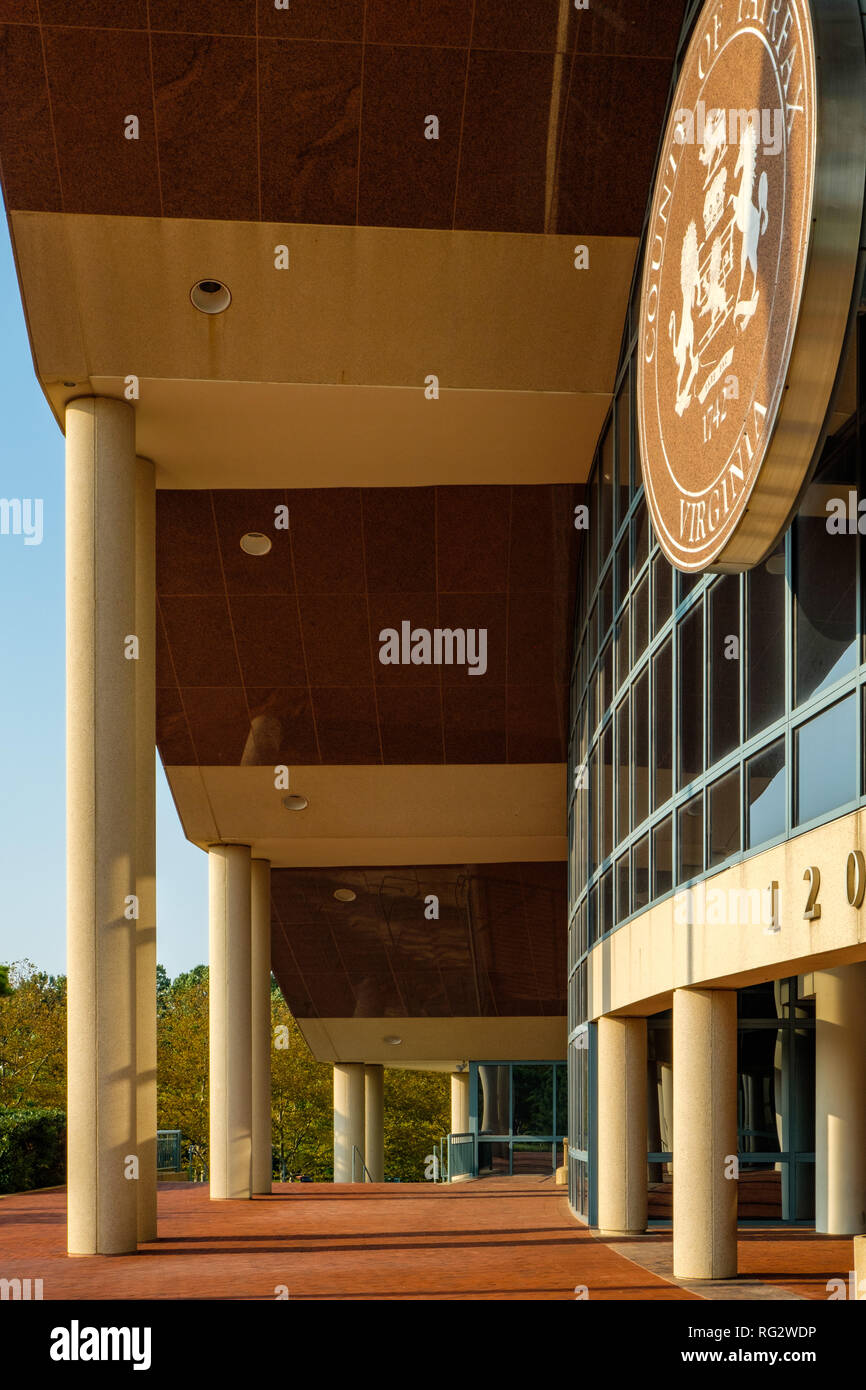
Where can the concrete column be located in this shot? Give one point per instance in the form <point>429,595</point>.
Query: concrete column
<point>622,1125</point>
<point>145,840</point>
<point>230,1022</point>
<point>705,1133</point>
<point>260,972</point>
<point>101,827</point>
<point>840,1100</point>
<point>460,1102</point>
<point>374,1122</point>
<point>348,1119</point>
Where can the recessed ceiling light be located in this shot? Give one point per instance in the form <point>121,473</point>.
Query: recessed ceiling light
<point>70,383</point>
<point>295,802</point>
<point>210,296</point>
<point>255,543</point>
<point>393,1040</point>
<point>344,895</point>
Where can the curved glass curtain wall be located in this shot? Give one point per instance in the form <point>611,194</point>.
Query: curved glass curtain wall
<point>711,716</point>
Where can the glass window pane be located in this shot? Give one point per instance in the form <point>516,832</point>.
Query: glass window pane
<point>606,901</point>
<point>723,696</point>
<point>765,642</point>
<point>594,527</point>
<point>640,879</point>
<point>606,613</point>
<point>606,846</point>
<point>622,770</point>
<point>765,794</point>
<point>532,1100</point>
<point>663,877</point>
<point>826,770</point>
<point>690,736</point>
<point>825,566</point>
<point>622,570</point>
<point>561,1118</point>
<point>606,463</point>
<point>640,618</point>
<point>724,813</point>
<point>592,797</point>
<point>685,584</point>
<point>662,592</point>
<point>622,442</point>
<point>623,656</point>
<point>623,888</point>
<point>690,851</point>
<point>662,730</point>
<point>640,534</point>
<point>640,747</point>
<point>493,1107</point>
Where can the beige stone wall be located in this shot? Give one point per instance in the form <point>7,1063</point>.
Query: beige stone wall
<point>723,932</point>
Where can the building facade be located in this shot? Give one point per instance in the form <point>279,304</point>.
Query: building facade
<point>717,938</point>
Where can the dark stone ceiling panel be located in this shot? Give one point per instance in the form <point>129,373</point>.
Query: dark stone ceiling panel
<point>548,117</point>
<point>276,658</point>
<point>497,948</point>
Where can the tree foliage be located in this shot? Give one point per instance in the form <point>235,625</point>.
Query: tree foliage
<point>33,1076</point>
<point>33,1040</point>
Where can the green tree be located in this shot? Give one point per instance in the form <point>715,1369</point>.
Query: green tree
<point>33,1039</point>
<point>5,987</point>
<point>417,1113</point>
<point>182,1057</point>
<point>301,1101</point>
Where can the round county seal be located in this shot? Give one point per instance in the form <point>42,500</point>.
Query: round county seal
<point>749,272</point>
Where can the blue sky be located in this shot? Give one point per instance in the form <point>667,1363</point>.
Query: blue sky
<point>32,695</point>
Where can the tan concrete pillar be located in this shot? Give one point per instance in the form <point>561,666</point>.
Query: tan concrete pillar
<point>460,1102</point>
<point>705,1133</point>
<point>374,1121</point>
<point>230,1022</point>
<point>145,840</point>
<point>348,1120</point>
<point>260,973</point>
<point>860,1268</point>
<point>840,1100</point>
<point>101,827</point>
<point>622,1125</point>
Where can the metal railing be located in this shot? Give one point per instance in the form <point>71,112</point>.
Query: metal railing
<point>456,1156</point>
<point>168,1150</point>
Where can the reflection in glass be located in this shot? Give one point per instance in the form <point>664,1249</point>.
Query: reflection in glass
<point>622,770</point>
<point>765,642</point>
<point>662,591</point>
<point>623,655</point>
<point>663,877</point>
<point>532,1099</point>
<point>690,852</point>
<point>623,888</point>
<point>640,618</point>
<point>606,809</point>
<point>493,1099</point>
<point>724,666</point>
<point>640,534</point>
<point>640,879</point>
<point>662,730</point>
<point>826,767</point>
<point>606,475</point>
<point>690,736</point>
<point>765,794</point>
<point>606,901</point>
<point>640,747</point>
<point>724,812</point>
<point>622,443</point>
<point>606,611</point>
<point>622,570</point>
<point>825,567</point>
